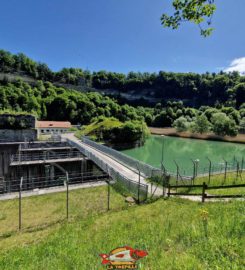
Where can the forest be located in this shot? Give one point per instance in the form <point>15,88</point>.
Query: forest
<point>224,94</point>
<point>194,89</point>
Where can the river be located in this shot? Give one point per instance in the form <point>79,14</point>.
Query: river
<point>182,150</point>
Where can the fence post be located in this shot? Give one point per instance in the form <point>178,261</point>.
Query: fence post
<point>108,190</point>
<point>139,187</point>
<point>225,170</point>
<point>177,172</point>
<point>163,186</point>
<point>234,160</point>
<point>194,170</point>
<point>168,190</point>
<point>108,195</point>
<point>67,195</point>
<point>163,180</point>
<point>237,170</point>
<point>209,170</point>
<point>203,192</point>
<point>20,189</point>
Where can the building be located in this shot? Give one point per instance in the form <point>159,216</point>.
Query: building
<point>52,127</point>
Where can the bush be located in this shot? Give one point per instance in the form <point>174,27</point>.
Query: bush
<point>223,125</point>
<point>201,124</point>
<point>181,124</point>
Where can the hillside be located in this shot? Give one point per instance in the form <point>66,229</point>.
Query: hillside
<point>210,236</point>
<point>66,95</point>
<point>139,88</point>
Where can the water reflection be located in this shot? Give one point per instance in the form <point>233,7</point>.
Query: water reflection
<point>183,150</point>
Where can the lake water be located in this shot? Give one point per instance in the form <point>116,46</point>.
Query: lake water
<point>183,150</point>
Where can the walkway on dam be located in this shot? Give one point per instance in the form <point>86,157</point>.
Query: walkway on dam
<point>112,162</point>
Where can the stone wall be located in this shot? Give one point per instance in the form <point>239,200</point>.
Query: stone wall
<point>19,135</point>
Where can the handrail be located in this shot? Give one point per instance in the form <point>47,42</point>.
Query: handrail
<point>130,184</point>
<point>44,156</point>
<point>146,169</point>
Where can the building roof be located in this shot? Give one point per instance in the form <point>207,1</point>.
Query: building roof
<point>53,124</point>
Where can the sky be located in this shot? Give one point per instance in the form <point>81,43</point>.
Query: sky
<point>121,36</point>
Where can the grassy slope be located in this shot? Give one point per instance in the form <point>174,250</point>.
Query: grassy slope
<point>219,180</point>
<point>43,214</point>
<point>173,232</point>
<point>93,130</point>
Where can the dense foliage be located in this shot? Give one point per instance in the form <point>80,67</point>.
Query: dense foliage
<point>220,124</point>
<point>113,131</point>
<point>221,93</point>
<point>56,103</point>
<point>194,89</point>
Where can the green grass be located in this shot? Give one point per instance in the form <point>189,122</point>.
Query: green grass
<point>93,130</point>
<point>40,214</point>
<point>219,180</point>
<point>178,234</point>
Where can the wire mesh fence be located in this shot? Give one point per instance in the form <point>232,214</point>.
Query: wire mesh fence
<point>199,169</point>
<point>145,169</point>
<point>52,181</point>
<point>28,213</point>
<point>120,182</point>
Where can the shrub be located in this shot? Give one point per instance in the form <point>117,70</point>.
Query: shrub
<point>223,125</point>
<point>181,124</point>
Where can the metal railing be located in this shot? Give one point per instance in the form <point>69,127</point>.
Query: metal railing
<point>145,169</point>
<point>57,180</point>
<point>46,155</point>
<point>44,144</point>
<point>134,188</point>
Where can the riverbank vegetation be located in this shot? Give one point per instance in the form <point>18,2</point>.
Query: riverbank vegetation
<point>220,124</point>
<point>210,236</point>
<point>114,132</point>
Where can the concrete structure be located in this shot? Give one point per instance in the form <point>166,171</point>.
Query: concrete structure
<point>17,128</point>
<point>37,163</point>
<point>18,135</point>
<point>112,162</point>
<point>52,127</point>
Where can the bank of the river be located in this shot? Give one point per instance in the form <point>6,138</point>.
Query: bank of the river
<point>240,138</point>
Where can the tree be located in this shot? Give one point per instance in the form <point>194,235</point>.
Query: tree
<point>201,124</point>
<point>195,11</point>
<point>181,124</point>
<point>223,125</point>
<point>240,94</point>
<point>242,125</point>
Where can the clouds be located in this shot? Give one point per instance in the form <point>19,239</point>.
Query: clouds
<point>237,64</point>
